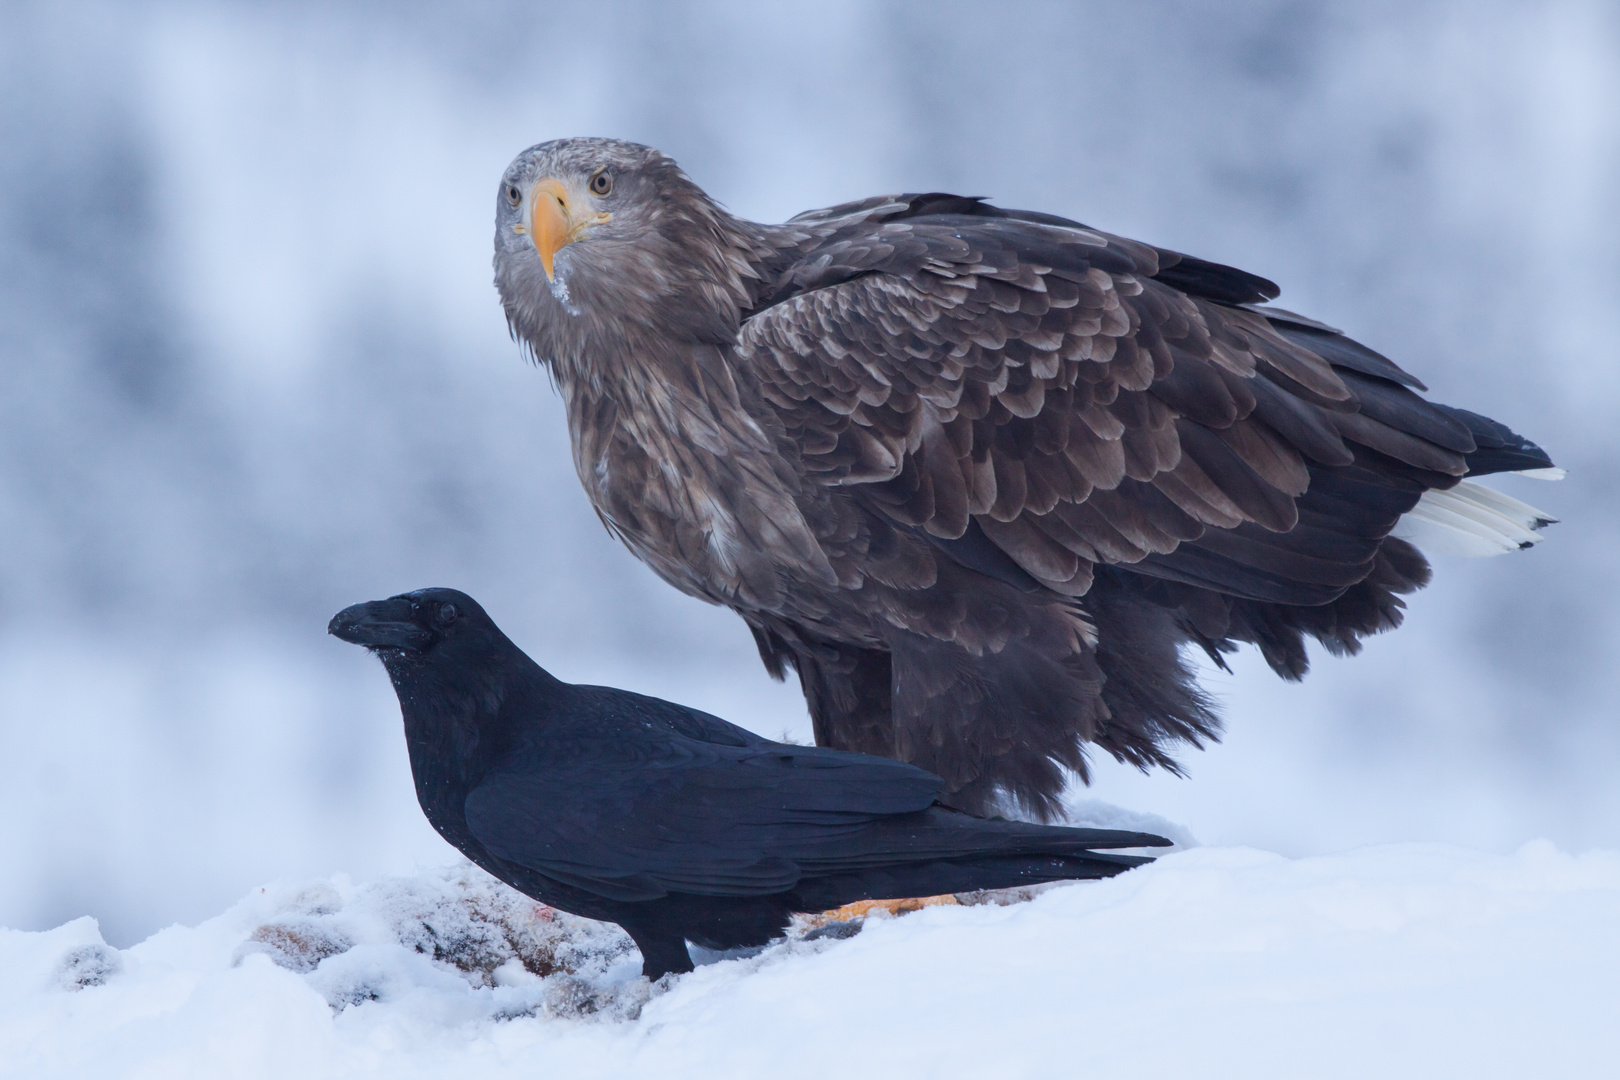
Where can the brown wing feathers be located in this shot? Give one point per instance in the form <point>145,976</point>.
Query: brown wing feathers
<point>1042,380</point>
<point>1055,407</point>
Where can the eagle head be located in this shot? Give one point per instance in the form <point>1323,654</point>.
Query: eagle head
<point>599,243</point>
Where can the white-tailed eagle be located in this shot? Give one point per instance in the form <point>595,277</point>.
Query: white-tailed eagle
<point>977,474</point>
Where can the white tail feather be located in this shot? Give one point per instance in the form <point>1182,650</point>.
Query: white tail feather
<point>1471,520</point>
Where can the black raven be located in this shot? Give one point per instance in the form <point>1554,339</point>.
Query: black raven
<point>668,821</point>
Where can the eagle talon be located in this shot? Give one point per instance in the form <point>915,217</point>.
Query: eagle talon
<point>862,909</point>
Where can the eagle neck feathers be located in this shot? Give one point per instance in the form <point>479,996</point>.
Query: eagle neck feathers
<point>679,454</point>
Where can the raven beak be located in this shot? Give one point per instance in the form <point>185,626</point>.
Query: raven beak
<point>555,220</point>
<point>380,624</point>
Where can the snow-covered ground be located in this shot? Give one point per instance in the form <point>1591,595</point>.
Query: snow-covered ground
<point>1399,960</point>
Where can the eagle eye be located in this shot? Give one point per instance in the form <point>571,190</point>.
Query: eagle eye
<point>446,615</point>
<point>601,183</point>
<point>513,195</point>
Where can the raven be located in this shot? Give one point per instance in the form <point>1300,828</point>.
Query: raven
<point>668,821</point>
<point>979,474</point>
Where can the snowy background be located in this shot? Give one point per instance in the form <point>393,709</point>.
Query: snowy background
<point>1402,960</point>
<point>254,370</point>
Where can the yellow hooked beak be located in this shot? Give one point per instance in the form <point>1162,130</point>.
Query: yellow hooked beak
<point>555,219</point>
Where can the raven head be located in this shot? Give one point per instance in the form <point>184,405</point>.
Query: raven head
<point>413,624</point>
<point>452,669</point>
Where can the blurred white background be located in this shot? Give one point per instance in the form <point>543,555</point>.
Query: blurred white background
<point>254,370</point>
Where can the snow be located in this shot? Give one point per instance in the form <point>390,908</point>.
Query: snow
<point>1399,960</point>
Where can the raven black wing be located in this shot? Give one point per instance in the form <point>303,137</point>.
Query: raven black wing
<point>636,818</point>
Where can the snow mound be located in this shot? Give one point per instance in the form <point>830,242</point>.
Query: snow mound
<point>370,943</point>
<point>1411,960</point>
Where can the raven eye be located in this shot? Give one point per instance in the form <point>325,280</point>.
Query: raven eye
<point>446,616</point>
<point>513,195</point>
<point>601,183</point>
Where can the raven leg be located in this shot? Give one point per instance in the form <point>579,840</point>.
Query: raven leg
<point>662,951</point>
